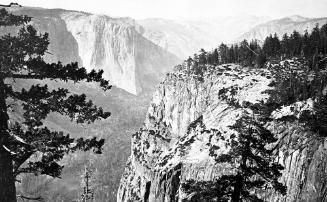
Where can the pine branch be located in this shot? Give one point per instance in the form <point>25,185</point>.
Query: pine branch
<point>25,76</point>
<point>51,146</point>
<point>39,102</point>
<point>39,198</point>
<point>8,19</point>
<point>41,70</point>
<point>66,72</point>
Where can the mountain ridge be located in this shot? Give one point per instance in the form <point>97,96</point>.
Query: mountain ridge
<point>281,26</point>
<point>185,37</point>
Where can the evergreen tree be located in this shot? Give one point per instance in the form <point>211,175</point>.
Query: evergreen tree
<point>202,57</point>
<point>323,36</point>
<point>306,44</point>
<point>223,51</point>
<point>237,53</point>
<point>285,45</point>
<point>21,57</point>
<point>189,63</point>
<point>276,46</point>
<point>210,58</point>
<point>255,51</point>
<point>231,54</point>
<point>261,60</point>
<point>316,120</point>
<point>245,53</point>
<point>268,46</point>
<point>295,43</point>
<point>315,39</point>
<point>255,167</point>
<point>196,67</point>
<point>215,57</point>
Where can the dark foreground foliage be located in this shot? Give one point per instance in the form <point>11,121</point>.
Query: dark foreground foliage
<point>29,146</point>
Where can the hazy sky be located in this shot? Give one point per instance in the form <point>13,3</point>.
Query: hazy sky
<point>187,8</point>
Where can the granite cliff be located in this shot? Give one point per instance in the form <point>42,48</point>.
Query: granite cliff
<point>129,60</point>
<point>174,144</point>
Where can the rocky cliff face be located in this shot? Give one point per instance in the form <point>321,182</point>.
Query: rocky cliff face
<point>129,60</point>
<point>173,145</point>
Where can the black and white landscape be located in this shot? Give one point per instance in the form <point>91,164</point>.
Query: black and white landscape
<point>221,107</point>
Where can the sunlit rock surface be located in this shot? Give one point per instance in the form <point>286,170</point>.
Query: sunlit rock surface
<point>130,61</point>
<point>173,145</point>
<point>116,45</point>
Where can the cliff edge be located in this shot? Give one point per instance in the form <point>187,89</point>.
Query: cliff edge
<point>175,142</point>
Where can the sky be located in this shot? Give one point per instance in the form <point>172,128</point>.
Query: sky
<point>173,9</point>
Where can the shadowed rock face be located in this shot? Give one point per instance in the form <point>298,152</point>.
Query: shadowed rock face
<point>173,146</point>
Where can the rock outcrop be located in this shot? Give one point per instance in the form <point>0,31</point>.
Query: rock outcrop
<point>174,144</point>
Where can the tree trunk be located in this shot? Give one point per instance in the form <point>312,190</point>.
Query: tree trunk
<point>236,196</point>
<point>7,180</point>
<point>238,186</point>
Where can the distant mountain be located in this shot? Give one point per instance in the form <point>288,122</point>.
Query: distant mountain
<point>185,37</point>
<point>282,26</point>
<point>129,60</point>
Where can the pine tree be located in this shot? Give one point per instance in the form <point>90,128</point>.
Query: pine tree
<point>21,57</point>
<point>255,167</point>
<point>306,44</point>
<point>223,52</point>
<point>245,53</point>
<point>316,120</point>
<point>237,53</point>
<point>215,57</point>
<point>261,60</point>
<point>315,39</point>
<point>268,46</point>
<point>189,63</point>
<point>285,45</point>
<point>276,46</point>
<point>323,35</point>
<point>295,43</point>
<point>231,54</point>
<point>202,57</point>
